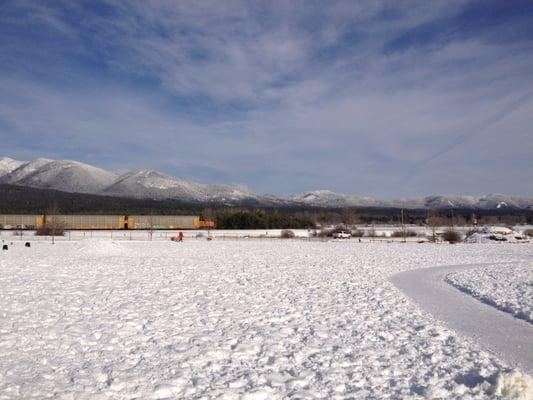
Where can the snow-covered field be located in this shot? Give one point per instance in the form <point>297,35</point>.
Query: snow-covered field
<point>98,319</point>
<point>381,232</point>
<point>145,235</point>
<point>507,287</point>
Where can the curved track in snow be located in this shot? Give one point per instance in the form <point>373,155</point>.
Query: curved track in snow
<point>496,331</point>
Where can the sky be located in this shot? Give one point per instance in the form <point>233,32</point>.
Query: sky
<point>377,98</point>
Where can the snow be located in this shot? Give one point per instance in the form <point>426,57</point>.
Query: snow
<point>153,184</point>
<point>514,385</point>
<point>500,333</point>
<point>326,198</point>
<point>99,247</point>
<point>232,319</point>
<point>25,169</point>
<point>506,287</point>
<point>66,175</point>
<point>8,165</point>
<point>74,176</point>
<point>496,233</point>
<point>478,237</point>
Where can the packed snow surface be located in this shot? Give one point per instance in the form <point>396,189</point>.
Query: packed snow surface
<point>236,320</point>
<point>495,331</point>
<point>508,287</point>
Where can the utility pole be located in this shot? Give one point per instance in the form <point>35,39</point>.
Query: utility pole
<point>451,208</point>
<point>53,227</point>
<point>452,216</point>
<point>403,228</point>
<point>151,221</point>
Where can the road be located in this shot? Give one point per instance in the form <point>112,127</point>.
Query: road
<point>511,339</point>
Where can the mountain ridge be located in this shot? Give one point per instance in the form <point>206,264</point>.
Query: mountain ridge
<point>77,177</point>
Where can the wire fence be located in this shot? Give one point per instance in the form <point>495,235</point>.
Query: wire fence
<point>143,236</point>
<point>371,234</point>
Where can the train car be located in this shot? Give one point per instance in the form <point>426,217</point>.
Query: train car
<point>207,224</point>
<point>94,222</point>
<point>86,221</point>
<point>20,221</point>
<point>164,221</point>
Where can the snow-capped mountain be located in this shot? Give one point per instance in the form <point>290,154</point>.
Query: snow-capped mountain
<point>152,184</point>
<point>74,176</point>
<point>65,175</point>
<point>8,165</point>
<point>155,185</point>
<point>503,201</point>
<point>489,201</point>
<point>326,198</point>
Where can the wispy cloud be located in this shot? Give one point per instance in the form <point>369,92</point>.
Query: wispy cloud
<point>281,96</point>
<point>463,137</point>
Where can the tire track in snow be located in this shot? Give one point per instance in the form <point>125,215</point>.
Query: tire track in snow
<point>494,330</point>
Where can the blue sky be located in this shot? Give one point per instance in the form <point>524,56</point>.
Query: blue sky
<point>379,98</point>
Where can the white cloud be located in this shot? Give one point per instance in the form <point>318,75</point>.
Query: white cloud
<point>288,94</point>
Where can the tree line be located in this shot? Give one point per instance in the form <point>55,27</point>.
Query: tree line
<point>24,200</point>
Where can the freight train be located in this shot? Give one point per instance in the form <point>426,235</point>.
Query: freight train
<point>86,222</point>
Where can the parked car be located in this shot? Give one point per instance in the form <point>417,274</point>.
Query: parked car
<point>342,235</point>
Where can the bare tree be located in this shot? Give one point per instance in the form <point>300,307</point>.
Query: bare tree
<point>50,225</point>
<point>433,220</point>
<point>349,217</point>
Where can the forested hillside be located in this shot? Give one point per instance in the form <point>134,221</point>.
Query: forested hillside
<point>24,200</point>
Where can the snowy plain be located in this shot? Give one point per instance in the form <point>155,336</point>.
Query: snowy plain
<point>382,233</point>
<point>506,287</point>
<point>228,319</point>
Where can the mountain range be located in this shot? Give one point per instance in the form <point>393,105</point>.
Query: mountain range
<point>77,177</point>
